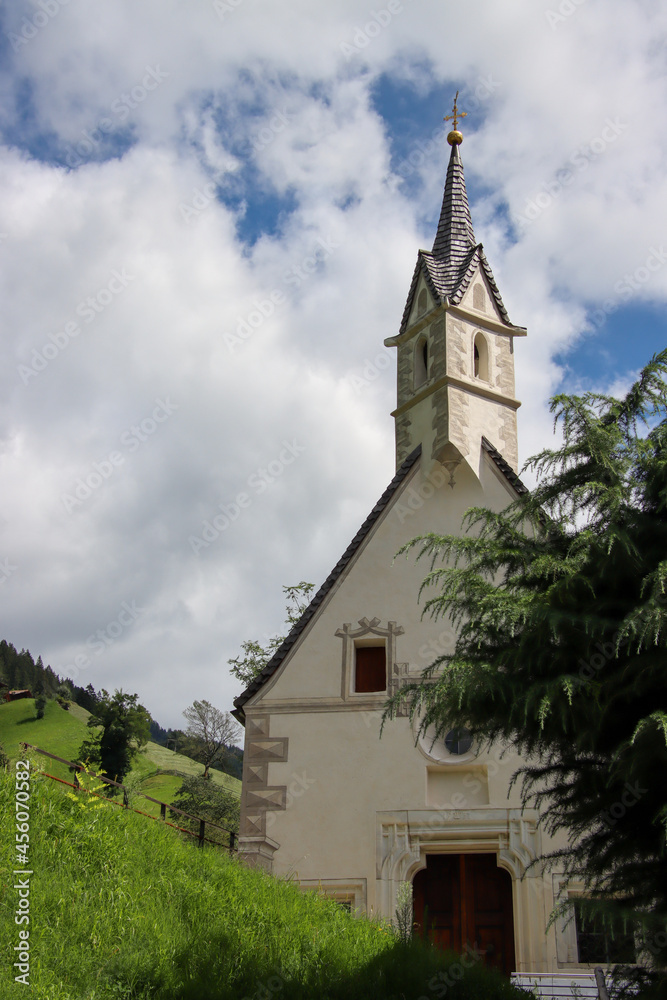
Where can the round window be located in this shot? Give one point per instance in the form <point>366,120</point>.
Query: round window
<point>458,741</point>
<point>455,746</point>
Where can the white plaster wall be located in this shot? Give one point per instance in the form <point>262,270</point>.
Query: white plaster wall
<point>339,773</point>
<point>490,307</point>
<point>378,585</point>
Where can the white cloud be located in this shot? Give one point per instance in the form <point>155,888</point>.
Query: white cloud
<point>264,99</point>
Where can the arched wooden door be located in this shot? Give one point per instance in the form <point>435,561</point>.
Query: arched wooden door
<point>466,899</point>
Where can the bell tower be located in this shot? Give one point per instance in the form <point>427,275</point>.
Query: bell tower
<point>455,344</point>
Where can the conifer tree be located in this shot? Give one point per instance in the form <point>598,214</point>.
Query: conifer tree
<point>560,606</point>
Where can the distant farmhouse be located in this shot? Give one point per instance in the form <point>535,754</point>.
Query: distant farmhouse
<point>325,799</point>
<point>14,694</point>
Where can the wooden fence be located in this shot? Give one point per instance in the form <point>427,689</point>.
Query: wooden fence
<point>203,823</point>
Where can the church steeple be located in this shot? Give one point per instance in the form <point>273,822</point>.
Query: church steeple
<point>455,343</point>
<point>455,237</point>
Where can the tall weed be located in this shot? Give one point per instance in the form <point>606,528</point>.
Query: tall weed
<point>122,909</point>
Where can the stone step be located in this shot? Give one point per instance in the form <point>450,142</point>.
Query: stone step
<point>548,985</point>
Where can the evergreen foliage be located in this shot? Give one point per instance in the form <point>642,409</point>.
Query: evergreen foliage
<point>255,656</point>
<point>233,763</point>
<point>86,697</point>
<point>560,606</point>
<point>19,670</point>
<point>162,736</point>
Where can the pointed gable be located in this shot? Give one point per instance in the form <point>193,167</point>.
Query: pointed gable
<point>342,564</point>
<point>450,266</point>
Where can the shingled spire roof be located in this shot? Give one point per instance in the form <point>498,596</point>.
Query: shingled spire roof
<point>449,267</point>
<point>455,237</point>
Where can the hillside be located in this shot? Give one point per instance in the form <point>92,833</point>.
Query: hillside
<point>121,908</point>
<point>61,732</point>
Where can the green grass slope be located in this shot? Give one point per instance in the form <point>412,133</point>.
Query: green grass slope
<point>121,908</point>
<point>61,732</point>
<point>169,760</point>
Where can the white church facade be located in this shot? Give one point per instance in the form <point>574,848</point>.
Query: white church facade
<point>326,798</point>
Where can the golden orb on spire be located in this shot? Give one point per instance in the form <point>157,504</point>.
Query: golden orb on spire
<point>455,138</point>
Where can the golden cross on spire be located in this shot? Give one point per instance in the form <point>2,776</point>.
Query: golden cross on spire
<point>456,114</point>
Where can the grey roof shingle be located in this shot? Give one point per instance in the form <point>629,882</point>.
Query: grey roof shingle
<point>347,558</point>
<point>455,236</point>
<point>328,584</point>
<point>448,268</point>
<point>506,469</point>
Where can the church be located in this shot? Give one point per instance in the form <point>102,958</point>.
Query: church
<point>327,799</point>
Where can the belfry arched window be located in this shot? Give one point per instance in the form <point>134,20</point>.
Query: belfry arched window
<point>481,357</point>
<point>421,362</point>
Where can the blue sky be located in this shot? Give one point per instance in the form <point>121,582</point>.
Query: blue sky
<point>209,219</point>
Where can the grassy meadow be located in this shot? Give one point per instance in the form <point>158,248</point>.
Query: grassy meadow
<point>61,733</point>
<point>123,909</point>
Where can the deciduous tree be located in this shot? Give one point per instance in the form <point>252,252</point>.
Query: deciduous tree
<point>208,800</point>
<point>124,730</point>
<point>255,656</point>
<point>209,732</point>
